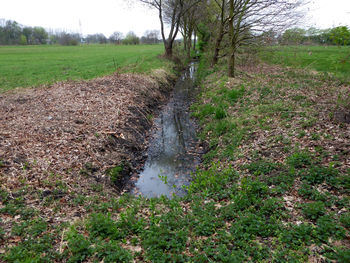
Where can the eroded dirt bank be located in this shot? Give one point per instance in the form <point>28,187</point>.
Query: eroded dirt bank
<point>59,141</point>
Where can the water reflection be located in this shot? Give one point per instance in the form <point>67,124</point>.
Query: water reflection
<point>171,157</point>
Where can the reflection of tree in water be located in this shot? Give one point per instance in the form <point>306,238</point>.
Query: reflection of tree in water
<point>170,161</point>
<point>179,129</point>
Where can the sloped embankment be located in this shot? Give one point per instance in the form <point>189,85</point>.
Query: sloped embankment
<point>66,139</point>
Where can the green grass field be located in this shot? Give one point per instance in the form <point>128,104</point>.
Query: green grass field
<point>25,66</point>
<point>330,59</point>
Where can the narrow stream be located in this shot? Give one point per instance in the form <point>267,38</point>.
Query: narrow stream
<point>172,154</point>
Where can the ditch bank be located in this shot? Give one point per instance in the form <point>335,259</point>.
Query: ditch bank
<point>78,134</point>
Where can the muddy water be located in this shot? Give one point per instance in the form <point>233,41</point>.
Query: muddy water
<point>172,154</point>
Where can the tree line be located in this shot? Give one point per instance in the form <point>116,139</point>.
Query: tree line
<point>224,27</point>
<point>12,33</point>
<point>339,36</point>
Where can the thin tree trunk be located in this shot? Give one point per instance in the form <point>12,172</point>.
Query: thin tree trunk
<point>231,61</point>
<point>220,35</point>
<point>195,40</point>
<point>217,46</point>
<point>189,42</point>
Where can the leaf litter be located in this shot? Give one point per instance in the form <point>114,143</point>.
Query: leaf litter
<point>60,140</point>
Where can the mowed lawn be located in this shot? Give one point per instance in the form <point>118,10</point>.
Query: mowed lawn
<point>26,66</point>
<point>331,59</point>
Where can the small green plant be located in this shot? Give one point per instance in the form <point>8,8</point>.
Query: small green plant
<point>100,225</point>
<point>79,248</point>
<point>203,111</point>
<point>115,174</point>
<point>308,123</point>
<point>234,94</point>
<point>97,187</point>
<point>300,159</point>
<point>220,113</point>
<point>301,134</point>
<point>264,92</point>
<point>297,235</point>
<point>262,167</point>
<point>111,252</point>
<point>327,227</point>
<point>149,117</point>
<point>342,255</point>
<point>163,178</point>
<point>345,219</point>
<point>314,210</point>
<point>318,174</point>
<point>2,232</point>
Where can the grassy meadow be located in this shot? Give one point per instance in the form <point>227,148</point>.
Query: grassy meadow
<point>327,59</point>
<point>25,66</point>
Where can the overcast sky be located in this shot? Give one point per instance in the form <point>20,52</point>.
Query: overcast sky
<point>107,16</point>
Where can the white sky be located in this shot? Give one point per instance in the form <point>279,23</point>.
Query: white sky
<point>107,16</point>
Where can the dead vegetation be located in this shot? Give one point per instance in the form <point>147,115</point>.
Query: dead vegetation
<point>73,132</point>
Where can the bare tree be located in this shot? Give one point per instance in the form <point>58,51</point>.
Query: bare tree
<point>188,24</point>
<point>223,18</point>
<point>116,37</point>
<point>239,21</point>
<point>170,12</point>
<point>150,37</point>
<point>246,18</point>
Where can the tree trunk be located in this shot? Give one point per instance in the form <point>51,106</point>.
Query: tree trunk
<point>189,45</point>
<point>220,35</point>
<point>195,40</point>
<point>168,49</point>
<point>231,60</point>
<point>217,46</point>
<point>231,65</point>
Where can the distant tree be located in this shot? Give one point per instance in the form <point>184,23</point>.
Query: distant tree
<point>28,32</point>
<point>96,39</point>
<point>23,40</point>
<point>116,37</point>
<point>150,37</point>
<point>267,38</point>
<point>340,36</point>
<point>11,33</point>
<point>293,36</point>
<point>131,39</point>
<point>67,39</point>
<point>39,35</point>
